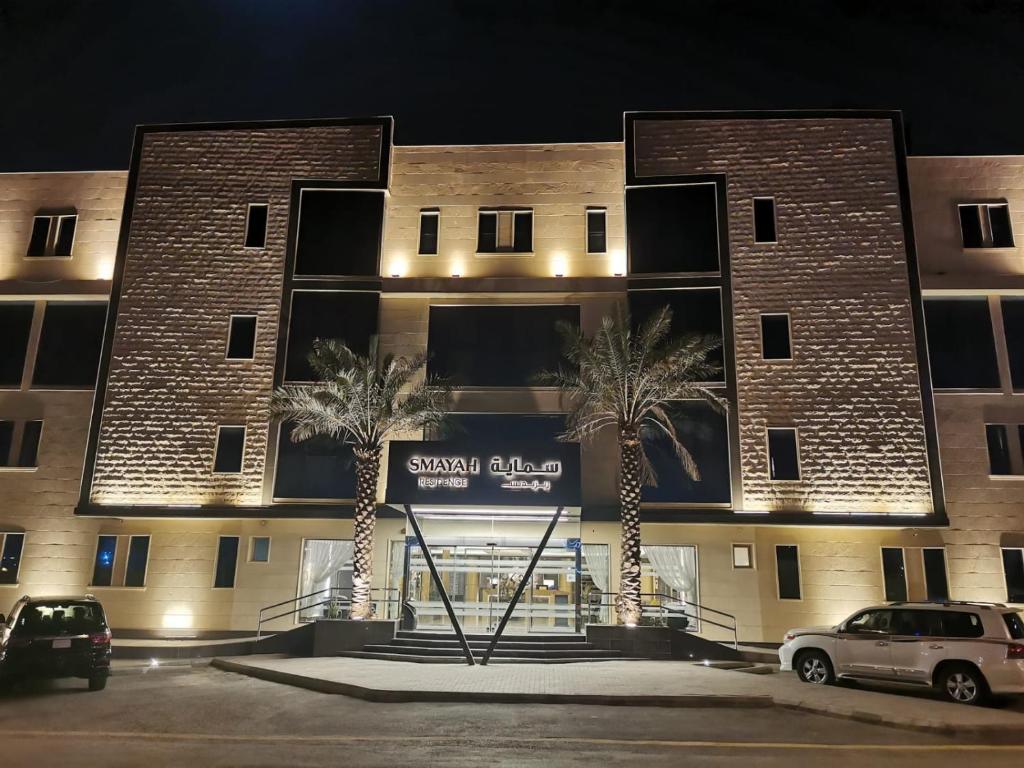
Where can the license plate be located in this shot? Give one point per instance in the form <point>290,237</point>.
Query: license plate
<point>61,643</point>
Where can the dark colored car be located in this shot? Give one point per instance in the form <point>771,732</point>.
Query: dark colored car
<point>56,637</point>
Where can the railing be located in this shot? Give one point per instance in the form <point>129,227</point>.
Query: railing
<point>335,596</point>
<point>666,610</point>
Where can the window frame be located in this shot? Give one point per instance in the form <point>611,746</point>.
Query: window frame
<point>216,448</point>
<point>799,576</point>
<point>604,213</point>
<point>424,212</point>
<point>52,235</point>
<point>36,350</point>
<point>21,556</point>
<point>145,573</point>
<point>967,390</point>
<point>985,224</point>
<point>17,441</point>
<point>789,336</point>
<point>906,576</point>
<point>509,252</point>
<point>1014,472</point>
<point>749,548</point>
<point>216,560</point>
<point>113,563</point>
<point>753,219</point>
<point>231,328</point>
<point>294,277</point>
<point>252,550</point>
<point>266,227</point>
<point>768,453</point>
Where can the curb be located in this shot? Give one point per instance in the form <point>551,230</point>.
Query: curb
<point>1011,733</point>
<point>165,665</point>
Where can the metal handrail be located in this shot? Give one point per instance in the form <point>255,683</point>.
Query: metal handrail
<point>332,598</point>
<point>665,609</point>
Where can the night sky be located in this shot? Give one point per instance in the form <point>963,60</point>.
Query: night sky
<point>76,76</point>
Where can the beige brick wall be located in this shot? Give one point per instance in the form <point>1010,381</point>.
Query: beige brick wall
<point>840,270</point>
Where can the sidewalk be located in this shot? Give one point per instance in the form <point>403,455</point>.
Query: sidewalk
<point>621,683</point>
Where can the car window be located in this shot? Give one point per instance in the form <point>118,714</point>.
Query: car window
<point>917,623</point>
<point>957,624</point>
<point>870,622</point>
<point>1014,623</point>
<point>60,618</point>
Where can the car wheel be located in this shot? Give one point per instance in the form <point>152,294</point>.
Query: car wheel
<point>962,684</point>
<point>815,667</point>
<point>97,683</point>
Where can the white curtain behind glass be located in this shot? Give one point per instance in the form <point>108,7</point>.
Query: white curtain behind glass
<point>596,558</point>
<point>677,567</point>
<point>321,559</point>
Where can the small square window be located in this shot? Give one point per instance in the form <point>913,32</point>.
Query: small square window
<point>259,551</point>
<point>742,555</point>
<point>597,232</point>
<point>229,450</point>
<point>242,337</point>
<point>430,224</point>
<point>783,454</point>
<point>775,343</point>
<point>764,220</point>
<point>256,225</point>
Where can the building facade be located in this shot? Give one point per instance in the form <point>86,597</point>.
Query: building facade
<point>866,303</point>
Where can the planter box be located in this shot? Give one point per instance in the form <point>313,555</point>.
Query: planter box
<point>332,636</point>
<point>657,643</point>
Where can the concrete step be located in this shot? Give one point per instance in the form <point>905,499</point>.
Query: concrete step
<point>482,644</point>
<point>499,652</point>
<point>537,638</point>
<point>461,660</point>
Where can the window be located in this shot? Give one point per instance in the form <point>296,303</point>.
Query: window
<point>21,454</point>
<point>775,337</point>
<point>120,566</point>
<point>227,560</point>
<point>69,345</point>
<point>138,561</point>
<point>870,623</point>
<point>694,310</point>
<point>339,232</point>
<point>11,546</point>
<point>16,322</point>
<point>961,345</point>
<point>52,236</point>
<point>242,337</point>
<point>256,225</point>
<point>492,345</point>
<point>505,231</point>
<point>28,455</point>
<point>997,437</point>
<point>787,571</point>
<point>985,225</point>
<point>958,624</point>
<point>936,585</point>
<point>103,566</point>
<point>742,556</point>
<point>259,549</point>
<point>319,468</point>
<point>1013,570</point>
<point>430,225</point>
<point>705,433</point>
<point>894,573</point>
<point>1013,325</point>
<point>347,315</point>
<point>672,229</point>
<point>597,230</point>
<point>229,449</point>
<point>783,454</point>
<point>1015,625</point>
<point>764,220</point>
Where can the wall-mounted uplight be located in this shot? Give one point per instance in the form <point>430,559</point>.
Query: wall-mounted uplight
<point>399,267</point>
<point>457,268</point>
<point>559,265</point>
<point>617,263</point>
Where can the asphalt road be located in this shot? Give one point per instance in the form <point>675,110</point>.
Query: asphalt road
<point>204,717</point>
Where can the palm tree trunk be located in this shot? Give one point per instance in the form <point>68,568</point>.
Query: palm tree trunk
<point>628,603</point>
<point>367,471</point>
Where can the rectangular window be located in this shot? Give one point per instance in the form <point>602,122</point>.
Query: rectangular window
<point>783,454</point>
<point>259,550</point>
<point>597,230</point>
<point>138,561</point>
<point>961,345</point>
<point>65,237</point>
<point>742,556</point>
<point>775,337</point>
<point>52,236</point>
<point>694,310</point>
<point>28,454</point>
<point>16,324</point>
<point>242,337</point>
<point>6,443</point>
<point>970,226</point>
<point>985,225</point>
<point>705,434</point>
<point>1013,325</point>
<point>339,233</point>
<point>227,560</point>
<point>229,449</point>
<point>69,345</point>
<point>998,440</point>
<point>11,546</point>
<point>764,220</point>
<point>936,585</point>
<point>491,345</point>
<point>787,571</point>
<point>103,566</point>
<point>894,574</point>
<point>502,231</point>
<point>256,225</point>
<point>672,229</point>
<point>430,226</point>
<point>317,469</point>
<point>40,238</point>
<point>347,315</point>
<point>999,226</point>
<point>1013,569</point>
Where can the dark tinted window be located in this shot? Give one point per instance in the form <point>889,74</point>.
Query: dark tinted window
<point>894,573</point>
<point>1013,323</point>
<point>998,449</point>
<point>28,456</point>
<point>15,322</point>
<point>339,233</point>
<point>787,570</point>
<point>347,315</point>
<point>512,427</point>
<point>487,232</point>
<point>40,235</point>
<point>256,226</point>
<point>935,581</point>
<point>6,442</point>
<point>970,226</point>
<point>230,446</point>
<point>242,337</point>
<point>999,221</point>
<point>783,458</point>
<point>957,624</point>
<point>138,556</point>
<point>960,344</point>
<point>10,557</point>
<point>65,235</point>
<point>227,558</point>
<point>1015,625</point>
<point>495,345</point>
<point>318,468</point>
<point>693,311</point>
<point>705,434</point>
<point>1013,570</point>
<point>429,224</point>
<point>103,568</point>
<point>69,346</point>
<point>522,234</point>
<point>917,623</point>
<point>870,622</point>
<point>672,229</point>
<point>597,235</point>
<point>775,337</point>
<point>764,220</point>
<point>53,617</point>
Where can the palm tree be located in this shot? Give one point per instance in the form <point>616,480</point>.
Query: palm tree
<point>628,380</point>
<point>359,401</point>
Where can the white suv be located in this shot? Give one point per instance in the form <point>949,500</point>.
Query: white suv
<point>965,650</point>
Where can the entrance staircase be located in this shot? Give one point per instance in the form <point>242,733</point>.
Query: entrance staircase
<point>444,648</point>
